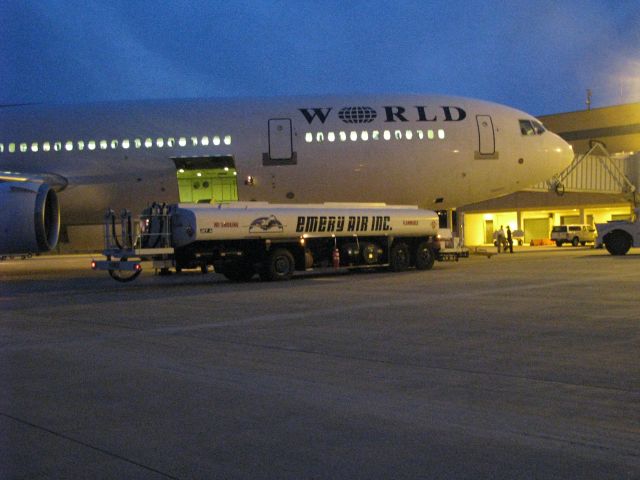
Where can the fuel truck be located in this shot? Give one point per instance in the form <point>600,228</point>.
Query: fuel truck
<point>244,239</point>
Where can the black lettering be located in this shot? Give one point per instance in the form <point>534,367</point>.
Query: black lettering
<point>352,224</point>
<point>322,227</point>
<point>396,112</point>
<point>322,114</point>
<point>312,224</point>
<point>340,224</point>
<point>449,118</point>
<point>364,224</point>
<point>331,224</point>
<point>386,227</point>
<point>422,115</point>
<point>300,225</point>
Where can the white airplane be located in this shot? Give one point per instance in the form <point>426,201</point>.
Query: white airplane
<point>74,161</point>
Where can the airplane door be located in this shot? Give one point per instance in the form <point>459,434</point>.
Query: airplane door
<point>486,135</point>
<point>280,141</point>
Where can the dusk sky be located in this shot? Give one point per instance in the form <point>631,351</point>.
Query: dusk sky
<point>538,56</point>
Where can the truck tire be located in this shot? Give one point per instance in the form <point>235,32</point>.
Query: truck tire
<point>400,258</point>
<point>575,241</point>
<point>617,242</point>
<point>558,243</point>
<point>279,265</point>
<point>424,256</point>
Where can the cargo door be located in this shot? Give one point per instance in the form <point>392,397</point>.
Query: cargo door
<point>486,136</point>
<point>280,143</point>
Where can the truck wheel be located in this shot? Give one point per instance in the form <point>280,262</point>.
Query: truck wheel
<point>558,243</point>
<point>617,242</point>
<point>239,271</point>
<point>399,259</point>
<point>424,256</point>
<point>279,265</point>
<point>575,241</point>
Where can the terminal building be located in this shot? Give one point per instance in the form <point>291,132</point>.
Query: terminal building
<point>600,184</point>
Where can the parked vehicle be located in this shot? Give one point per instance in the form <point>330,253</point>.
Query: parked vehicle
<point>573,234</point>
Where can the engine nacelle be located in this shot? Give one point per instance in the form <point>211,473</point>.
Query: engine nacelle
<point>29,217</point>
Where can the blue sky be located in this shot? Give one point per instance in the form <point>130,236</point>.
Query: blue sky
<point>539,56</point>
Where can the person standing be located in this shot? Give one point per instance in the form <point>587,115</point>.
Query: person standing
<point>500,239</point>
<point>509,240</point>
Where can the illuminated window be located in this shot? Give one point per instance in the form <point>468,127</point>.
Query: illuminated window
<point>182,141</point>
<point>12,147</point>
<point>331,137</point>
<point>441,134</point>
<point>375,135</point>
<point>148,143</point>
<point>1,147</point>
<point>34,147</point>
<point>353,136</point>
<point>398,135</point>
<point>104,144</point>
<point>205,141</point>
<point>430,134</point>
<point>308,137</point>
<point>114,144</point>
<point>92,145</point>
<point>57,146</point>
<point>159,142</point>
<point>320,137</point>
<point>387,135</point>
<point>137,143</point>
<point>420,134</point>
<point>408,134</point>
<point>23,147</point>
<point>343,136</point>
<point>364,136</point>
<point>194,141</point>
<point>68,146</point>
<point>216,140</point>
<point>46,146</point>
<point>126,144</point>
<point>80,145</point>
<point>227,139</point>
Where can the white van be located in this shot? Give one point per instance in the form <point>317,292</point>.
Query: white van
<point>573,234</point>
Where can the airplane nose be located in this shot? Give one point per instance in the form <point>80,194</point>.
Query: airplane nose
<point>563,152</point>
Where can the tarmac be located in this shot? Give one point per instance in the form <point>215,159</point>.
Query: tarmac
<point>521,365</point>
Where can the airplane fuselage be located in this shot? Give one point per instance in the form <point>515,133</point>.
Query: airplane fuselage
<point>432,151</point>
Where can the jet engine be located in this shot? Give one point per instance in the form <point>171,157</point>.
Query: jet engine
<point>29,217</point>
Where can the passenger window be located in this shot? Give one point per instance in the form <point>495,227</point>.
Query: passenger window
<point>320,137</point>
<point>12,147</point>
<point>331,137</point>
<point>430,134</point>
<point>125,143</point>
<point>23,147</point>
<point>308,137</point>
<point>216,139</point>
<point>182,141</point>
<point>375,135</point>
<point>34,147</point>
<point>441,134</point>
<point>46,146</point>
<point>526,128</point>
<point>343,136</point>
<point>227,140</point>
<point>408,134</point>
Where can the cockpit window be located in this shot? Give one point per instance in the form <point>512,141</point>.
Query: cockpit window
<point>531,127</point>
<point>539,128</point>
<point>526,128</point>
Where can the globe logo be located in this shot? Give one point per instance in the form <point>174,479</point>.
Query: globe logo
<point>357,114</point>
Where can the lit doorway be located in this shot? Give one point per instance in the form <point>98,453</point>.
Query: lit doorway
<point>207,179</point>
